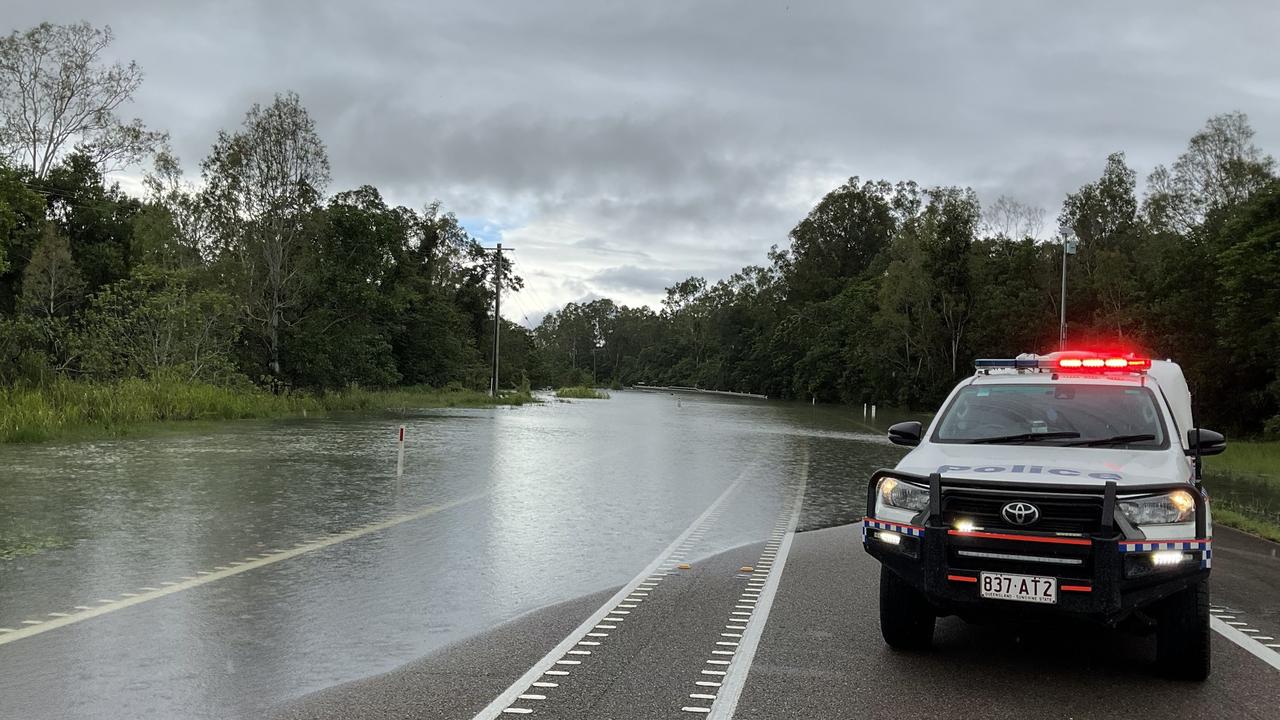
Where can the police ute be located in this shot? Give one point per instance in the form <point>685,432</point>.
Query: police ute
<point>1054,485</point>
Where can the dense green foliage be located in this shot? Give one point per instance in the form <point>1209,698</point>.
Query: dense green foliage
<point>247,277</point>
<point>887,292</point>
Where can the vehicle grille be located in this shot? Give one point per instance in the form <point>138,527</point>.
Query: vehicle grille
<point>1058,513</point>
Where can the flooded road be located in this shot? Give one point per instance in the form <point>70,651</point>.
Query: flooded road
<point>223,572</point>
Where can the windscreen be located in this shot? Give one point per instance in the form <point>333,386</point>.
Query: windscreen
<point>1054,414</point>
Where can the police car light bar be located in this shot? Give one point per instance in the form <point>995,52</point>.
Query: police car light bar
<point>1070,360</point>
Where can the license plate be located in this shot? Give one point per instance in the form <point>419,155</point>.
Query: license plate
<point>1023,588</point>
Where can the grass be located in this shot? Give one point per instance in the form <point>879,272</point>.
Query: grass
<point>1246,523</point>
<point>1244,482</point>
<point>18,544</point>
<point>77,409</point>
<point>582,392</point>
<point>1248,457</point>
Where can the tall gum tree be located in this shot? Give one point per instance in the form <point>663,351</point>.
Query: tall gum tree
<point>58,93</point>
<point>263,185</point>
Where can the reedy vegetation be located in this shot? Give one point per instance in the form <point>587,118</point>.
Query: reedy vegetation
<point>582,392</point>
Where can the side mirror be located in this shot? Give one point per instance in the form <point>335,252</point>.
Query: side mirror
<point>1208,442</point>
<point>906,433</point>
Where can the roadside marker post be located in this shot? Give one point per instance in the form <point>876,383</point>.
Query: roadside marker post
<point>400,453</point>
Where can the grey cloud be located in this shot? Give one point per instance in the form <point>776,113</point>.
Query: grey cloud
<point>630,278</point>
<point>677,136</point>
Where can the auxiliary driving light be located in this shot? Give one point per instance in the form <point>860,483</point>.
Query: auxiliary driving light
<point>1164,558</point>
<point>965,526</point>
<point>889,538</point>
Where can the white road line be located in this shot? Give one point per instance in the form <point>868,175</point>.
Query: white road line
<point>135,598</point>
<point>727,702</point>
<point>1249,644</point>
<point>504,700</point>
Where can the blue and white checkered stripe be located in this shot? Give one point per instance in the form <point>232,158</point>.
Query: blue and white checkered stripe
<point>872,524</point>
<point>1128,547</point>
<point>1205,546</point>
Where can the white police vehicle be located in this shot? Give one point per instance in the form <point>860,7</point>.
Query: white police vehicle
<point>1066,483</point>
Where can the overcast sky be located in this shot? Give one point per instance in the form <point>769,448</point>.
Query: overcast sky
<point>621,146</point>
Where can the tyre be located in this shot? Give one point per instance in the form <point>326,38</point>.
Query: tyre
<point>906,617</point>
<point>1182,634</point>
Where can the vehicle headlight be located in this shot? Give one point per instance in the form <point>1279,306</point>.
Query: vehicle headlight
<point>896,493</point>
<point>1175,507</point>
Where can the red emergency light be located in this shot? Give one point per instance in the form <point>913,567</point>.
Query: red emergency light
<point>1101,362</point>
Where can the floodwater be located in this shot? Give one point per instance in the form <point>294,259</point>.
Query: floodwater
<point>499,512</point>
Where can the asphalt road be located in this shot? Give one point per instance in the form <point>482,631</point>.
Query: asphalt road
<point>821,656</point>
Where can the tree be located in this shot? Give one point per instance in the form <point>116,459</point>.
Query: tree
<point>263,185</point>
<point>947,229</point>
<point>1008,218</point>
<point>1250,310</point>
<point>156,323</point>
<point>97,218</point>
<point>843,234</point>
<point>344,335</point>
<point>57,92</point>
<point>174,229</point>
<point>1104,216</point>
<point>21,222</point>
<point>51,284</point>
<point>51,289</point>
<point>1220,167</point>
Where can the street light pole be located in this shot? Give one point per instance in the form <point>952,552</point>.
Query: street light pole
<point>1068,248</point>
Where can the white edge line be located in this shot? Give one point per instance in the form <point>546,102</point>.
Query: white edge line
<point>494,709</point>
<point>726,702</point>
<point>1267,656</point>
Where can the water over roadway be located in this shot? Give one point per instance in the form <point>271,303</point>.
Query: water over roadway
<point>233,573</point>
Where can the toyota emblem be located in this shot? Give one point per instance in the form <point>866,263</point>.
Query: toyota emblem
<point>1020,513</point>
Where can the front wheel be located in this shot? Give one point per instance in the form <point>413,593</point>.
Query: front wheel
<point>1182,634</point>
<point>906,618</point>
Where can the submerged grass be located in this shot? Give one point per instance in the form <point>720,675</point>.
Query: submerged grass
<point>79,409</point>
<point>15,544</point>
<point>1244,482</point>
<point>582,392</point>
